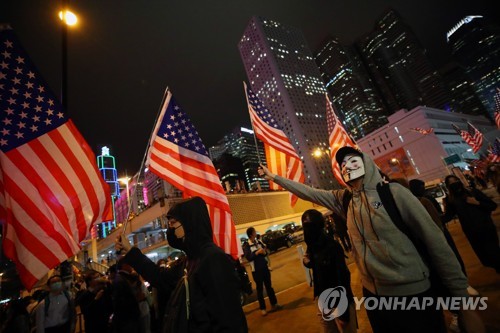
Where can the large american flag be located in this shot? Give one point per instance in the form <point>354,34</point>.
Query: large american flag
<point>472,136</point>
<point>497,107</point>
<point>178,155</point>
<point>51,192</point>
<point>338,138</point>
<point>281,157</point>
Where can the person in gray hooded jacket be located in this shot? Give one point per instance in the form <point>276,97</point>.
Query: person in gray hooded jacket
<point>389,263</point>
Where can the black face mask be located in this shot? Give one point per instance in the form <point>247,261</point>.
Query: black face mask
<point>456,188</point>
<point>312,232</point>
<point>173,241</point>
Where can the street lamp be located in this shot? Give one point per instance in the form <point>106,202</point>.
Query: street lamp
<point>67,18</point>
<point>394,161</point>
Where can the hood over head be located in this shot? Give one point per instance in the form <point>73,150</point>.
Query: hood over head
<point>417,187</point>
<point>194,217</point>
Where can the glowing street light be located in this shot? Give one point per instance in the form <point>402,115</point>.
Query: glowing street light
<point>68,17</point>
<point>317,153</point>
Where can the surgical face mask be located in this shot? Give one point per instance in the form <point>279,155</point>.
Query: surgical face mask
<point>352,168</point>
<point>174,241</point>
<point>56,286</point>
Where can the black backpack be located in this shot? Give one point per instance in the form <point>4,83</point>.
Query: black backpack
<point>385,194</point>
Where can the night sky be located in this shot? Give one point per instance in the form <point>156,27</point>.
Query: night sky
<point>123,54</point>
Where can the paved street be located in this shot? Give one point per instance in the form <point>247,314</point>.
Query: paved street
<point>299,312</point>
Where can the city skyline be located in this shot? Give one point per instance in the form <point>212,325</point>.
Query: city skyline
<point>120,64</point>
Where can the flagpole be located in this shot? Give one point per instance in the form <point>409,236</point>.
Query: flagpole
<point>143,162</point>
<point>253,128</point>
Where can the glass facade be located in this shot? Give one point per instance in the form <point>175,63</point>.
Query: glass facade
<point>282,72</point>
<point>353,93</point>
<point>399,66</point>
<point>475,45</point>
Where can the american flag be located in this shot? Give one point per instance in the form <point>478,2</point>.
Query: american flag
<point>497,108</point>
<point>422,131</point>
<point>338,138</point>
<point>281,157</point>
<point>494,152</point>
<point>473,137</point>
<point>178,155</point>
<point>51,192</point>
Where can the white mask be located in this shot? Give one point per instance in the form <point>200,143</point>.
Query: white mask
<point>352,167</point>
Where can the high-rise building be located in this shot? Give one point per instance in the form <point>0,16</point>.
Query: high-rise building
<point>463,98</point>
<point>241,143</point>
<point>400,67</point>
<point>283,74</point>
<point>475,45</point>
<point>351,88</point>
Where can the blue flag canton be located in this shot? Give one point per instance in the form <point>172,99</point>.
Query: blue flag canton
<point>28,109</point>
<point>178,129</point>
<point>260,109</point>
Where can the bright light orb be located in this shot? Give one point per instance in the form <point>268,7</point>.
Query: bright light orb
<point>69,17</point>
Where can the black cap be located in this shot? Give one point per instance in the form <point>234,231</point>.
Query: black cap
<point>344,151</point>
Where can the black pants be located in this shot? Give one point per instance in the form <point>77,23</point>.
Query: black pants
<point>407,321</point>
<point>263,277</point>
<point>64,328</point>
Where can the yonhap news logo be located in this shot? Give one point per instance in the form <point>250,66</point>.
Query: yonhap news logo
<point>332,303</point>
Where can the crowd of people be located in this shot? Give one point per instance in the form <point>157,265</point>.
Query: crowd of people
<point>395,232</point>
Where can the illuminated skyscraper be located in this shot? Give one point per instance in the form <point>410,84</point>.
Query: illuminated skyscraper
<point>240,143</point>
<point>282,72</point>
<point>107,166</point>
<point>475,45</point>
<point>399,66</point>
<point>463,97</point>
<point>353,93</point>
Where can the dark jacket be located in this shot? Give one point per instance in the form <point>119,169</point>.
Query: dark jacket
<point>471,217</point>
<point>213,284</point>
<point>96,312</point>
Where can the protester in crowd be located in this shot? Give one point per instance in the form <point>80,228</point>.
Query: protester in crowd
<point>18,319</point>
<point>474,209</point>
<point>388,261</point>
<point>325,257</point>
<point>96,303</point>
<point>127,315</point>
<point>56,312</point>
<point>206,299</point>
<point>255,252</point>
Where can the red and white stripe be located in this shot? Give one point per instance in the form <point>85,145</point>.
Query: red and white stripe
<point>194,174</point>
<point>281,157</point>
<point>337,139</point>
<point>52,194</point>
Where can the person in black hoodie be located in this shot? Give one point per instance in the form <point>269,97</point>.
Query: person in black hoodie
<point>206,298</point>
<point>325,257</point>
<point>474,209</point>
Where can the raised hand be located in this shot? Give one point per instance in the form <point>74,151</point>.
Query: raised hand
<point>264,172</point>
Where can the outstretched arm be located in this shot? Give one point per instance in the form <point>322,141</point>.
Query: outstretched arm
<point>329,199</point>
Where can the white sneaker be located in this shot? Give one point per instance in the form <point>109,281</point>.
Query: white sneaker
<point>472,292</point>
<point>454,324</point>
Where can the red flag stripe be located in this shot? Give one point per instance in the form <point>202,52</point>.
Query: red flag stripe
<point>279,143</point>
<point>27,211</point>
<point>99,190</point>
<point>38,177</point>
<point>337,139</point>
<point>206,172</point>
<point>197,182</point>
<point>29,277</point>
